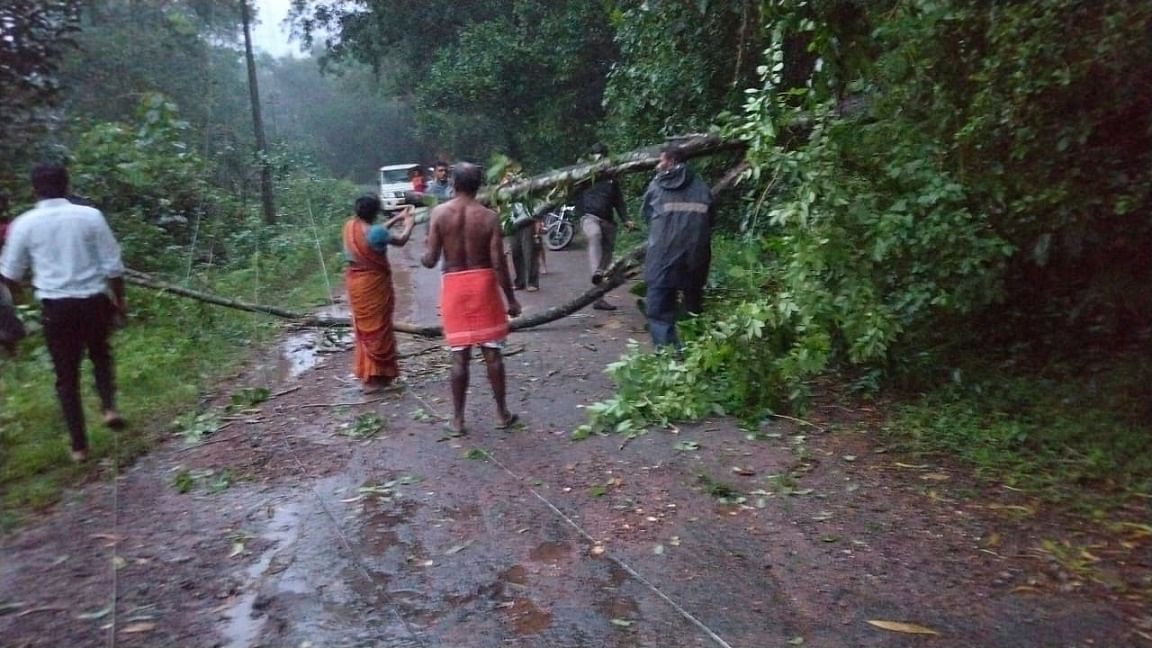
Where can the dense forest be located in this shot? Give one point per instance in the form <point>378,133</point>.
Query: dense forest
<point>943,204</point>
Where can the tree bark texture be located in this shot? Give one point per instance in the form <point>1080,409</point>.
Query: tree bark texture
<point>266,198</point>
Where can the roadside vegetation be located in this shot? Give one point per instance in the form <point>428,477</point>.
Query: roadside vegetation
<point>172,349</point>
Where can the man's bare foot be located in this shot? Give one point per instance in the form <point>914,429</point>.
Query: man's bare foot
<point>113,420</point>
<point>507,421</point>
<point>456,428</point>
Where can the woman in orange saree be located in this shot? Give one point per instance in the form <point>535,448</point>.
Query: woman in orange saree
<point>368,282</point>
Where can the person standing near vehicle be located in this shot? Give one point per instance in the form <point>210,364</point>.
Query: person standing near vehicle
<point>77,275</point>
<point>439,186</point>
<point>678,209</point>
<point>475,274</point>
<point>597,206</point>
<point>419,182</point>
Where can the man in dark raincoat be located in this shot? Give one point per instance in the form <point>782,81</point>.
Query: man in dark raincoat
<point>679,211</point>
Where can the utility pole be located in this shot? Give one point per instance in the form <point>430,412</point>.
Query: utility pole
<point>258,120</point>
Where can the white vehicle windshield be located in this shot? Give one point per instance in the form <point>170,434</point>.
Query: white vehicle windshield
<point>394,176</point>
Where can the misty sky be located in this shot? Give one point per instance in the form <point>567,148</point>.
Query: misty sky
<point>269,35</point>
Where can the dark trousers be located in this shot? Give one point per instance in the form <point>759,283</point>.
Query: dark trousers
<point>662,308</point>
<point>71,327</point>
<point>525,256</point>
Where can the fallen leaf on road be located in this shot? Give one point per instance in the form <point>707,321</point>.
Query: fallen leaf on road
<point>746,472</point>
<point>97,614</point>
<point>597,550</point>
<point>457,549</point>
<point>136,628</point>
<point>658,549</point>
<point>906,628</point>
<point>237,549</point>
<point>936,476</point>
<point>623,623</point>
<point>796,641</point>
<point>685,446</point>
<point>911,466</point>
<point>849,458</point>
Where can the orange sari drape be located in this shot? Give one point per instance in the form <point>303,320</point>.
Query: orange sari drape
<point>368,281</point>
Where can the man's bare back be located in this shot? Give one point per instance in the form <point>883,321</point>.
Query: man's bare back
<point>466,233</point>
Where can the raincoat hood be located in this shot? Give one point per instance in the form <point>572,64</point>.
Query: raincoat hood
<point>675,178</point>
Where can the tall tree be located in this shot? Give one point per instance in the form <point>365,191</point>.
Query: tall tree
<point>187,50</point>
<point>266,196</point>
<point>34,36</point>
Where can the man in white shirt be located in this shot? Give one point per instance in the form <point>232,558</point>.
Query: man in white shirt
<point>77,275</point>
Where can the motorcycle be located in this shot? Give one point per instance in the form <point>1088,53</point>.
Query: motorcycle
<point>559,227</point>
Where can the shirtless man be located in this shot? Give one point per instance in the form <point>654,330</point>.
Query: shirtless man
<point>468,236</point>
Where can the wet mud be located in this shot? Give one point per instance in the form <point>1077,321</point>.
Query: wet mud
<point>522,537</point>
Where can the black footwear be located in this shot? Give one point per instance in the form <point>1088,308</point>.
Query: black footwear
<point>600,304</point>
<point>597,278</point>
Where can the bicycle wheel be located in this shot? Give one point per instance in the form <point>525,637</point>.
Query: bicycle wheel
<point>559,235</point>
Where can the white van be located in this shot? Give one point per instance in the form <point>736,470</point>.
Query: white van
<point>394,183</point>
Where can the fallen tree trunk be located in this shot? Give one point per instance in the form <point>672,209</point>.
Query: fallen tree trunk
<point>696,145</point>
<point>616,274</point>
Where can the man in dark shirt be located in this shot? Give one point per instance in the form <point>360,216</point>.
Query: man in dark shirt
<point>597,206</point>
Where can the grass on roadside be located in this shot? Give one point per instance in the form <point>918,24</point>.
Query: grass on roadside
<point>171,351</point>
<point>1064,435</point>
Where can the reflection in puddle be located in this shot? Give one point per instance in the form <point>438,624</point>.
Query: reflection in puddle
<point>243,629</point>
<point>300,351</point>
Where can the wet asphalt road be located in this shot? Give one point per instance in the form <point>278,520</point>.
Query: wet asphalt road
<point>521,537</point>
<point>545,542</point>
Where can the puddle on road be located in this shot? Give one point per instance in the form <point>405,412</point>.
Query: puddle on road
<point>243,628</point>
<point>301,351</point>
